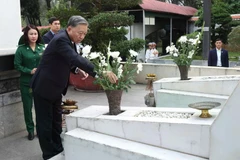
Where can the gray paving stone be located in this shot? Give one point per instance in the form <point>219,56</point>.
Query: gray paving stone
<point>17,147</point>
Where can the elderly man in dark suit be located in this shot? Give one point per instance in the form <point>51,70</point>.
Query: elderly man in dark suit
<point>54,28</point>
<point>50,82</point>
<point>218,56</point>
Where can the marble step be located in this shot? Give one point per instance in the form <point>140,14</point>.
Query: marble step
<point>220,85</point>
<point>181,99</point>
<point>87,145</point>
<point>60,156</point>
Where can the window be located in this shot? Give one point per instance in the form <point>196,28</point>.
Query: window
<point>149,20</point>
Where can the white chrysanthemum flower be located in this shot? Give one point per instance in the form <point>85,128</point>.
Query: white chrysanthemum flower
<point>139,67</point>
<point>193,41</point>
<point>183,39</point>
<point>120,70</point>
<point>119,59</point>
<point>175,55</point>
<point>168,49</point>
<point>198,35</point>
<point>114,54</point>
<point>190,54</point>
<point>176,50</point>
<point>102,57</point>
<point>85,55</point>
<point>86,50</point>
<point>94,55</point>
<point>133,53</point>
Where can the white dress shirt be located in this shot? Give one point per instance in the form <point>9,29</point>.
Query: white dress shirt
<point>219,62</point>
<point>150,55</point>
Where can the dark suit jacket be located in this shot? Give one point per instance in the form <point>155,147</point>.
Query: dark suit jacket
<point>52,75</point>
<point>47,37</point>
<point>212,58</point>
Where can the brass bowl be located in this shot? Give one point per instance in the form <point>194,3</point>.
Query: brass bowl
<point>69,102</point>
<point>68,107</point>
<point>151,75</point>
<point>204,107</point>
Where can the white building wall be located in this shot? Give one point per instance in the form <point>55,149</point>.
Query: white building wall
<point>10,28</point>
<point>137,32</point>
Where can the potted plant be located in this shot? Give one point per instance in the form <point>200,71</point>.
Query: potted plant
<point>111,61</point>
<point>182,53</point>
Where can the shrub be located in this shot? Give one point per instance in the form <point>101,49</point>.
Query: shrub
<point>234,40</point>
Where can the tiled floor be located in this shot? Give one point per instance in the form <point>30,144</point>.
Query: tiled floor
<point>17,147</point>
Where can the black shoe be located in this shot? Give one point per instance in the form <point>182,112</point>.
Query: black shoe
<point>30,136</point>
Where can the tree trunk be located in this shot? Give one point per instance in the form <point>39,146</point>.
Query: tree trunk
<point>48,4</point>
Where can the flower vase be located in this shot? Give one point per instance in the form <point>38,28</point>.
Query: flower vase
<point>183,72</point>
<point>114,101</point>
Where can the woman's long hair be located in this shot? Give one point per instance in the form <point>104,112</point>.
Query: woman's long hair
<point>25,34</point>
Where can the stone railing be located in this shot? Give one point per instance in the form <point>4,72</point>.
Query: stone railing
<point>171,70</point>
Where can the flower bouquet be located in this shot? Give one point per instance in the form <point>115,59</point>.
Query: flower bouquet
<point>125,71</point>
<point>182,54</point>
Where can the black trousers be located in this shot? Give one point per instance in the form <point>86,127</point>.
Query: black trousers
<point>49,125</point>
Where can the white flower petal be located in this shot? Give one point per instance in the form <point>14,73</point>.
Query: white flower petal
<point>114,54</point>
<point>86,49</point>
<point>133,53</point>
<point>94,55</point>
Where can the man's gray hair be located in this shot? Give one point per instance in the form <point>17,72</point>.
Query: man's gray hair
<point>76,20</point>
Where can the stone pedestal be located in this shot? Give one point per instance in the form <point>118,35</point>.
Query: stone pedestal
<point>189,135</point>
<point>11,110</point>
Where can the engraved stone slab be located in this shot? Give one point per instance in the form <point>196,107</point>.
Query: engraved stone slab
<point>9,85</point>
<point>11,97</point>
<point>13,118</point>
<point>1,123</point>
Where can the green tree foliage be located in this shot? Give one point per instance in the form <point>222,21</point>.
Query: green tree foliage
<point>109,26</point>
<point>220,21</point>
<point>107,23</point>
<point>233,6</point>
<point>63,13</point>
<point>106,5</point>
<point>192,3</point>
<point>30,11</point>
<point>234,40</point>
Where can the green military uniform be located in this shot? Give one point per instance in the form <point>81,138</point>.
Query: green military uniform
<point>25,60</point>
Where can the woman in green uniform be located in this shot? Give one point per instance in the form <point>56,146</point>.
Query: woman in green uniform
<point>26,60</point>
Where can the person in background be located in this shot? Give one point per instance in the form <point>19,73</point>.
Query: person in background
<point>218,56</point>
<point>50,82</point>
<point>26,61</point>
<point>54,29</point>
<point>151,52</point>
<point>154,50</point>
<point>21,39</point>
<point>148,52</point>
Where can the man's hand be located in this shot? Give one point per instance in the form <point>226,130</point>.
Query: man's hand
<point>33,70</point>
<point>111,76</point>
<point>82,74</point>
